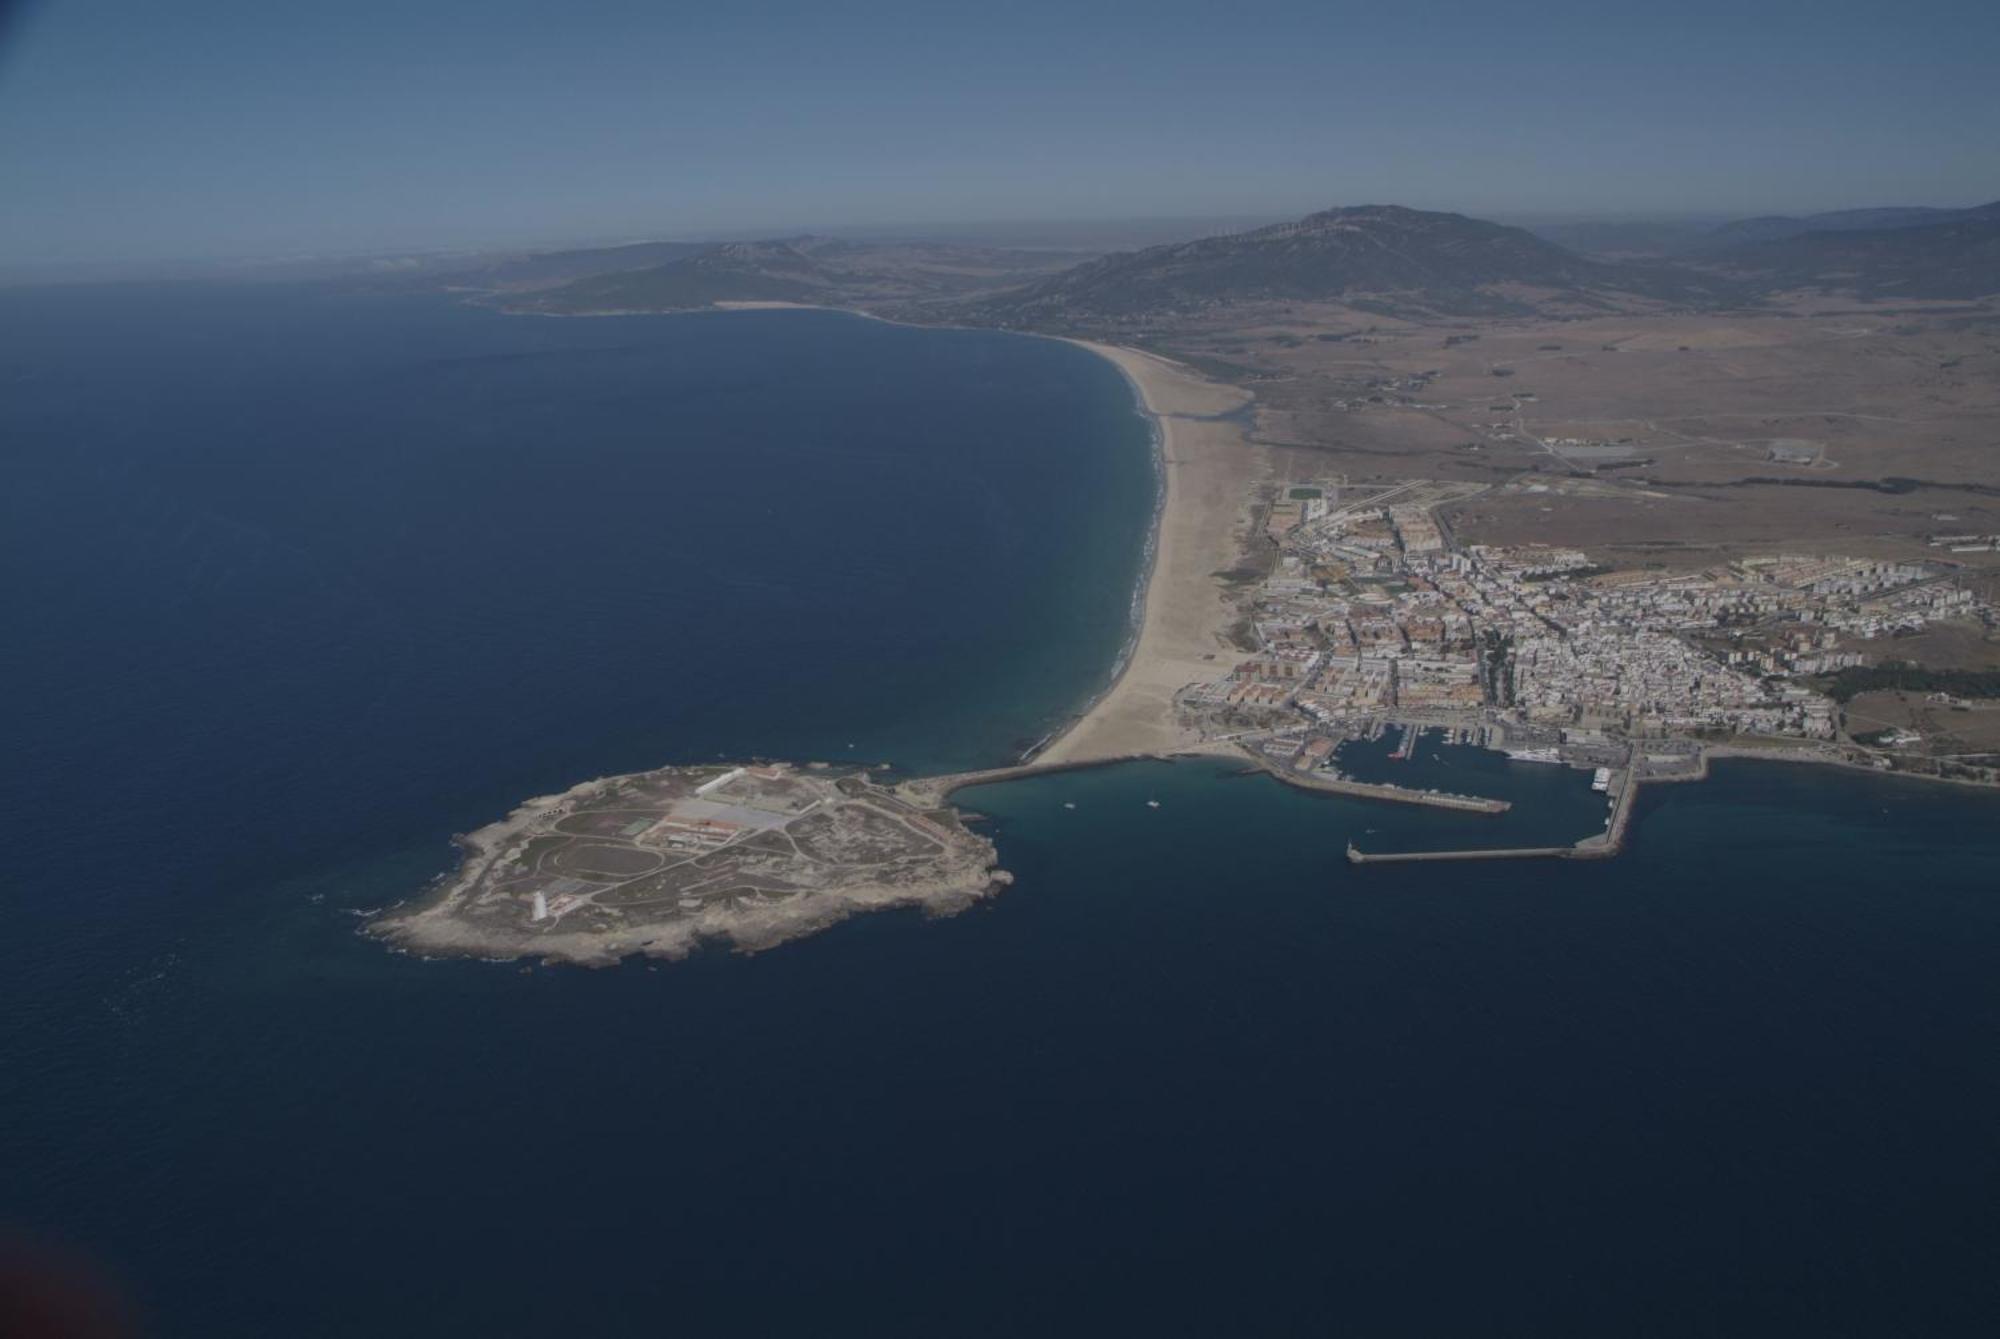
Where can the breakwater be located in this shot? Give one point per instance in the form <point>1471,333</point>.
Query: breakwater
<point>1360,857</point>
<point>1372,790</point>
<point>1600,846</point>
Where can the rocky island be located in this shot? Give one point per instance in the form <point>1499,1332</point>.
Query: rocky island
<point>657,862</point>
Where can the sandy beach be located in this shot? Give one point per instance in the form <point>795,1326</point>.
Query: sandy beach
<point>1207,466</point>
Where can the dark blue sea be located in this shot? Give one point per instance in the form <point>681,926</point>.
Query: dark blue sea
<point>297,584</point>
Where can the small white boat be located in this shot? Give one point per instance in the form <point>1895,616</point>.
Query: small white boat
<point>1534,755</point>
<point>1068,805</point>
<point>1152,804</point>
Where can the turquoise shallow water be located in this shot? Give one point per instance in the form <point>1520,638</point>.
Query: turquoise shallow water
<point>304,586</point>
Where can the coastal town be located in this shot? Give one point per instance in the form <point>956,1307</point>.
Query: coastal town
<point>1372,613</point>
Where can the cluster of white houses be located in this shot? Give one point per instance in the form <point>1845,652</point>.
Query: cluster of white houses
<point>1371,608</point>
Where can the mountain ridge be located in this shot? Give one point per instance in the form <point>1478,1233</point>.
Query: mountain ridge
<point>1389,260</point>
<point>1381,257</point>
<point>1956,259</point>
<point>1777,227</point>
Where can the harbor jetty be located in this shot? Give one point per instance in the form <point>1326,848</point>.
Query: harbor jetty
<point>1372,790</point>
<point>1623,787</point>
<point>1360,857</point>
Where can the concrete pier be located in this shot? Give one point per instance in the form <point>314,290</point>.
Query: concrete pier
<point>1624,789</point>
<point>1360,857</point>
<point>1369,790</point>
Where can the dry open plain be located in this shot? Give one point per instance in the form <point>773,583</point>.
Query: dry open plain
<point>1651,437</point>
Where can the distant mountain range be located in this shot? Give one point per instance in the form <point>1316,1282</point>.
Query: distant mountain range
<point>823,271</point>
<point>1955,256</point>
<point>1376,258</point>
<point>1410,262</point>
<point>1686,238</point>
<point>1777,227</point>
<point>729,272</point>
<point>551,269</point>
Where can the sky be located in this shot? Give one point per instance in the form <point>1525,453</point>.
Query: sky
<point>138,129</point>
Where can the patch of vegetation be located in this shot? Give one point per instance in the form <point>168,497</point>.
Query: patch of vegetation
<point>1573,573</point>
<point>1302,494</point>
<point>1496,667</point>
<point>1901,676</point>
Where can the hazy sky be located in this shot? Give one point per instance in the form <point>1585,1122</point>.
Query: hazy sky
<point>148,128</point>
